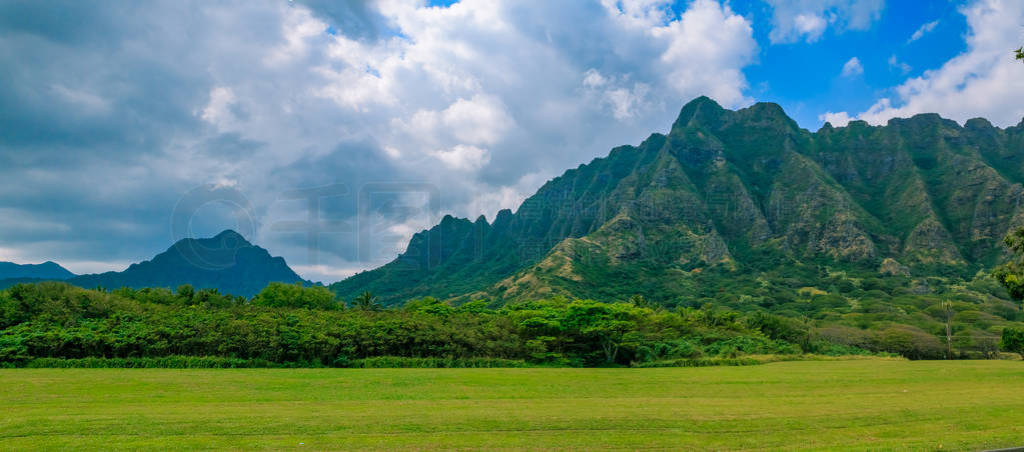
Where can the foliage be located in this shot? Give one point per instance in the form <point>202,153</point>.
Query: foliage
<point>166,362</point>
<point>366,301</point>
<point>405,362</point>
<point>1011,274</point>
<point>1013,340</point>
<point>291,325</point>
<point>281,295</point>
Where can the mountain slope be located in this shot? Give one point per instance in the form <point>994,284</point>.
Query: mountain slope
<point>735,194</point>
<point>46,270</point>
<point>226,262</point>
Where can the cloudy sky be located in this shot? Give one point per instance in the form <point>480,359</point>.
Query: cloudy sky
<point>330,131</point>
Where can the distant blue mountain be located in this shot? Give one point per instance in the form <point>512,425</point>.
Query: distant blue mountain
<point>46,271</point>
<point>226,262</point>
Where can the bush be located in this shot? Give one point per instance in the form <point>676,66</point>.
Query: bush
<point>701,362</point>
<point>380,362</point>
<point>168,362</point>
<point>910,342</point>
<point>281,295</point>
<point>1012,340</point>
<point>291,325</point>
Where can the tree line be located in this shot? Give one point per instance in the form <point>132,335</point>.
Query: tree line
<point>292,325</point>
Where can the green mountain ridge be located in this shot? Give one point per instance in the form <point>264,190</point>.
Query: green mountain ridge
<point>226,262</point>
<point>742,203</point>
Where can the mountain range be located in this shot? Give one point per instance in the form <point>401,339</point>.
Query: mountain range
<point>737,201</point>
<point>226,262</point>
<point>728,207</point>
<point>46,270</point>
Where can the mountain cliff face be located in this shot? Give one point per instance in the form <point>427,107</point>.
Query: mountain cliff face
<point>735,194</point>
<point>226,262</point>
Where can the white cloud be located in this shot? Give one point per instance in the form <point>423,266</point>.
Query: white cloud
<point>326,273</point>
<point>984,81</point>
<point>810,25</point>
<point>840,119</point>
<point>705,49</point>
<point>625,98</point>
<point>86,267</point>
<point>901,66</point>
<point>217,110</point>
<point>852,68</point>
<point>926,28</point>
<point>480,120</point>
<point>807,20</point>
<point>463,157</point>
<point>297,28</point>
<point>593,79</point>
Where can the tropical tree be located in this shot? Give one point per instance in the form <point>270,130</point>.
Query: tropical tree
<point>282,295</point>
<point>1011,274</point>
<point>1013,340</point>
<point>602,326</point>
<point>185,293</point>
<point>641,302</point>
<point>366,301</point>
<point>1020,53</point>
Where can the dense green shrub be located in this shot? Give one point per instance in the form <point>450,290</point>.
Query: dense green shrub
<point>1013,340</point>
<point>290,325</point>
<point>701,362</point>
<point>401,361</point>
<point>281,295</point>
<point>170,362</point>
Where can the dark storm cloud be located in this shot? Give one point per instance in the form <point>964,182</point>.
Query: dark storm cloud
<point>92,97</point>
<point>355,177</point>
<point>68,22</point>
<point>78,85</point>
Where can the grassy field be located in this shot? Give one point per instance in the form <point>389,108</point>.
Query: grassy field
<point>855,405</point>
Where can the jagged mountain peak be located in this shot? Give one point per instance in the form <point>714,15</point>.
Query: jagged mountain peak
<point>702,111</point>
<point>768,115</point>
<point>771,109</point>
<point>978,124</point>
<point>924,120</point>
<point>705,113</point>
<point>230,234</point>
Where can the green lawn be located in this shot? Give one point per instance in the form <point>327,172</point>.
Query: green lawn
<point>853,405</point>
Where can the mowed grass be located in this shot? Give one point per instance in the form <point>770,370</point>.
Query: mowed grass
<point>856,405</point>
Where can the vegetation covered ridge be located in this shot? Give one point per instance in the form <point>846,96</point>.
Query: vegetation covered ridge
<point>918,204</point>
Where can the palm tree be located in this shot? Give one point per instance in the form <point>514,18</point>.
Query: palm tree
<point>1020,53</point>
<point>366,301</point>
